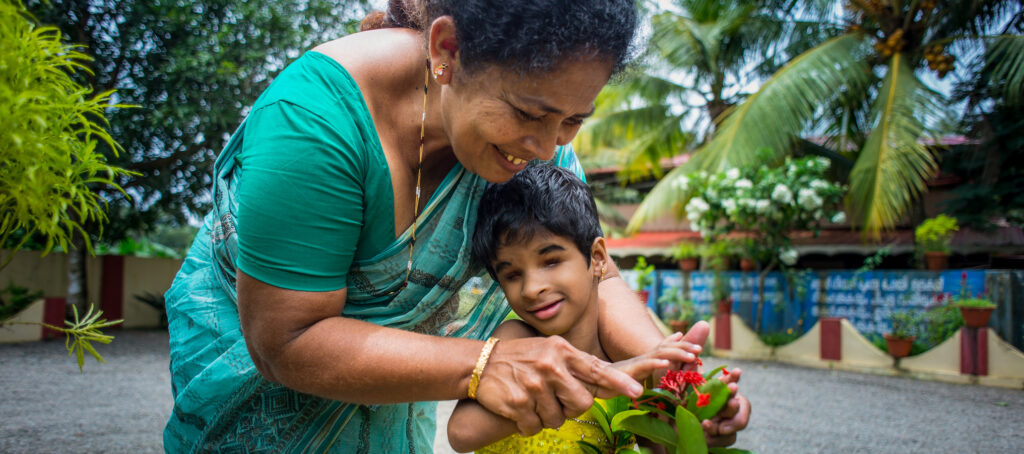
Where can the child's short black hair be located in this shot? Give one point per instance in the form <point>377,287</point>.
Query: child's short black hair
<point>538,197</point>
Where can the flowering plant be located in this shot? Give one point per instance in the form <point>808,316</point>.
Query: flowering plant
<point>766,202</point>
<point>934,235</point>
<point>669,415</point>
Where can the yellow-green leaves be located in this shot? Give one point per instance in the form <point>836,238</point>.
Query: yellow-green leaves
<point>50,128</point>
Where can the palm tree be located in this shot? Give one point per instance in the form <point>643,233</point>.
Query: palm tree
<point>871,92</point>
<point>706,53</point>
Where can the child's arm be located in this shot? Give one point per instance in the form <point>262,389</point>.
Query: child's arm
<point>673,349</point>
<point>472,426</point>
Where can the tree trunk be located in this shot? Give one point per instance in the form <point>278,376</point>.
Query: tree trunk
<point>78,293</point>
<point>760,295</point>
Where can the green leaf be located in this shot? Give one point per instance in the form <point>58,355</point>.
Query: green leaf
<point>589,447</point>
<point>894,164</point>
<point>690,433</point>
<point>710,375</point>
<point>597,410</point>
<point>719,397</point>
<point>616,423</point>
<point>652,429</point>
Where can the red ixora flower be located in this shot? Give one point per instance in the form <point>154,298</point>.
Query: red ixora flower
<point>703,399</point>
<point>673,381</point>
<point>725,372</point>
<point>693,378</point>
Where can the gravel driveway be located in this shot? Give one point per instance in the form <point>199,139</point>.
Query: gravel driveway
<point>46,405</point>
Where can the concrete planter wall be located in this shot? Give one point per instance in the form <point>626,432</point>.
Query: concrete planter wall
<point>969,356</point>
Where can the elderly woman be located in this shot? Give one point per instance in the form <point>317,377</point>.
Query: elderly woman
<point>322,306</point>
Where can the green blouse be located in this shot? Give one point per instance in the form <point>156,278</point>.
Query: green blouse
<point>317,190</point>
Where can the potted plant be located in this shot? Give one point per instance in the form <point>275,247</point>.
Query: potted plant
<point>904,329</point>
<point>748,254</point>
<point>975,310</point>
<point>644,278</point>
<point>687,254</point>
<point>716,254</point>
<point>677,311</point>
<point>933,237</point>
<point>720,293</point>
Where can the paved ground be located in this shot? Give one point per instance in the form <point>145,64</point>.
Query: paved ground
<point>46,405</point>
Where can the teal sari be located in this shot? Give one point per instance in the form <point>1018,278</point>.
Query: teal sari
<point>223,404</point>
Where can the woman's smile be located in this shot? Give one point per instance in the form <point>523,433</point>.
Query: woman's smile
<point>508,161</point>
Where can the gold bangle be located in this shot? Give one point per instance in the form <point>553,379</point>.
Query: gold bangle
<point>481,362</point>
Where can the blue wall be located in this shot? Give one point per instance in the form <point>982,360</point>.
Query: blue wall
<point>866,299</point>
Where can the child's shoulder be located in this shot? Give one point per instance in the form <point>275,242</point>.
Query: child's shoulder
<point>515,329</point>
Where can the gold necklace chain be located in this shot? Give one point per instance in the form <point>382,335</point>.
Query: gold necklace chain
<point>419,175</point>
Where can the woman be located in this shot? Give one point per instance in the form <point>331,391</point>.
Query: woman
<point>319,308</point>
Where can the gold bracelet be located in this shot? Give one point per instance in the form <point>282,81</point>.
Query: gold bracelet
<point>481,362</point>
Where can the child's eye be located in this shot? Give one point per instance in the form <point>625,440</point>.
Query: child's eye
<point>507,277</point>
<point>552,262</point>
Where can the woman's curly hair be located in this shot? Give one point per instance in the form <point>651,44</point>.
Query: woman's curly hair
<point>524,35</point>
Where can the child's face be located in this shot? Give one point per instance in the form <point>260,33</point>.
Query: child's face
<point>548,283</point>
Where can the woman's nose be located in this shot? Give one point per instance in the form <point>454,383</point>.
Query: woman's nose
<point>542,143</point>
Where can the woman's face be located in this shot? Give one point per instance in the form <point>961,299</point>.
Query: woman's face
<point>497,120</point>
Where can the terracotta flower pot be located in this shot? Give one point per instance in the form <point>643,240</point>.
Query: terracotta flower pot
<point>976,317</point>
<point>899,347</point>
<point>936,261</point>
<point>724,306</point>
<point>722,264</point>
<point>689,264</point>
<point>679,325</point>
<point>747,264</point>
<point>644,295</point>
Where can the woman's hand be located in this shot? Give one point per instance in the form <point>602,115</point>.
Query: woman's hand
<point>538,382</point>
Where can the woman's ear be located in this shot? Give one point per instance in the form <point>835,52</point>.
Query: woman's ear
<point>443,49</point>
<point>599,257</point>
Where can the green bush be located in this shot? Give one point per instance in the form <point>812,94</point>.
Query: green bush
<point>934,235</point>
<point>51,128</point>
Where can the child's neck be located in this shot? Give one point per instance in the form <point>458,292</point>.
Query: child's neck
<point>584,334</point>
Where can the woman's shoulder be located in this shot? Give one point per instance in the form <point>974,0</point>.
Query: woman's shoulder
<point>381,60</point>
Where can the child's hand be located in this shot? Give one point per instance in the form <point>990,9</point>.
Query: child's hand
<point>672,350</point>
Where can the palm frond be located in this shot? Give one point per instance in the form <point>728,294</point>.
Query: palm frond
<point>894,165</point>
<point>784,106</point>
<point>1004,65</point>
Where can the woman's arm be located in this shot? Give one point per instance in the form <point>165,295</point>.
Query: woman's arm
<point>471,426</point>
<point>298,339</point>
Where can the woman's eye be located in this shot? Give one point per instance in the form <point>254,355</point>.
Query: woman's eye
<point>525,116</point>
<point>573,122</point>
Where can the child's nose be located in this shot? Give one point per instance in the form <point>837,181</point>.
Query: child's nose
<point>533,286</point>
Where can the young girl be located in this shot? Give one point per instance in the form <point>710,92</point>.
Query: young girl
<point>539,236</point>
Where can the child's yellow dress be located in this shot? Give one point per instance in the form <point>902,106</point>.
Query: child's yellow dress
<point>562,439</point>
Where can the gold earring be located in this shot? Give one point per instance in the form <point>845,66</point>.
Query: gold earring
<point>604,268</point>
<point>439,71</point>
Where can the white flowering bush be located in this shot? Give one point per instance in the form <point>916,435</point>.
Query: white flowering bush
<point>766,203</point>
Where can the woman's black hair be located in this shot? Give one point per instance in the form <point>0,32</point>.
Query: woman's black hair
<point>539,199</point>
<point>527,35</point>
